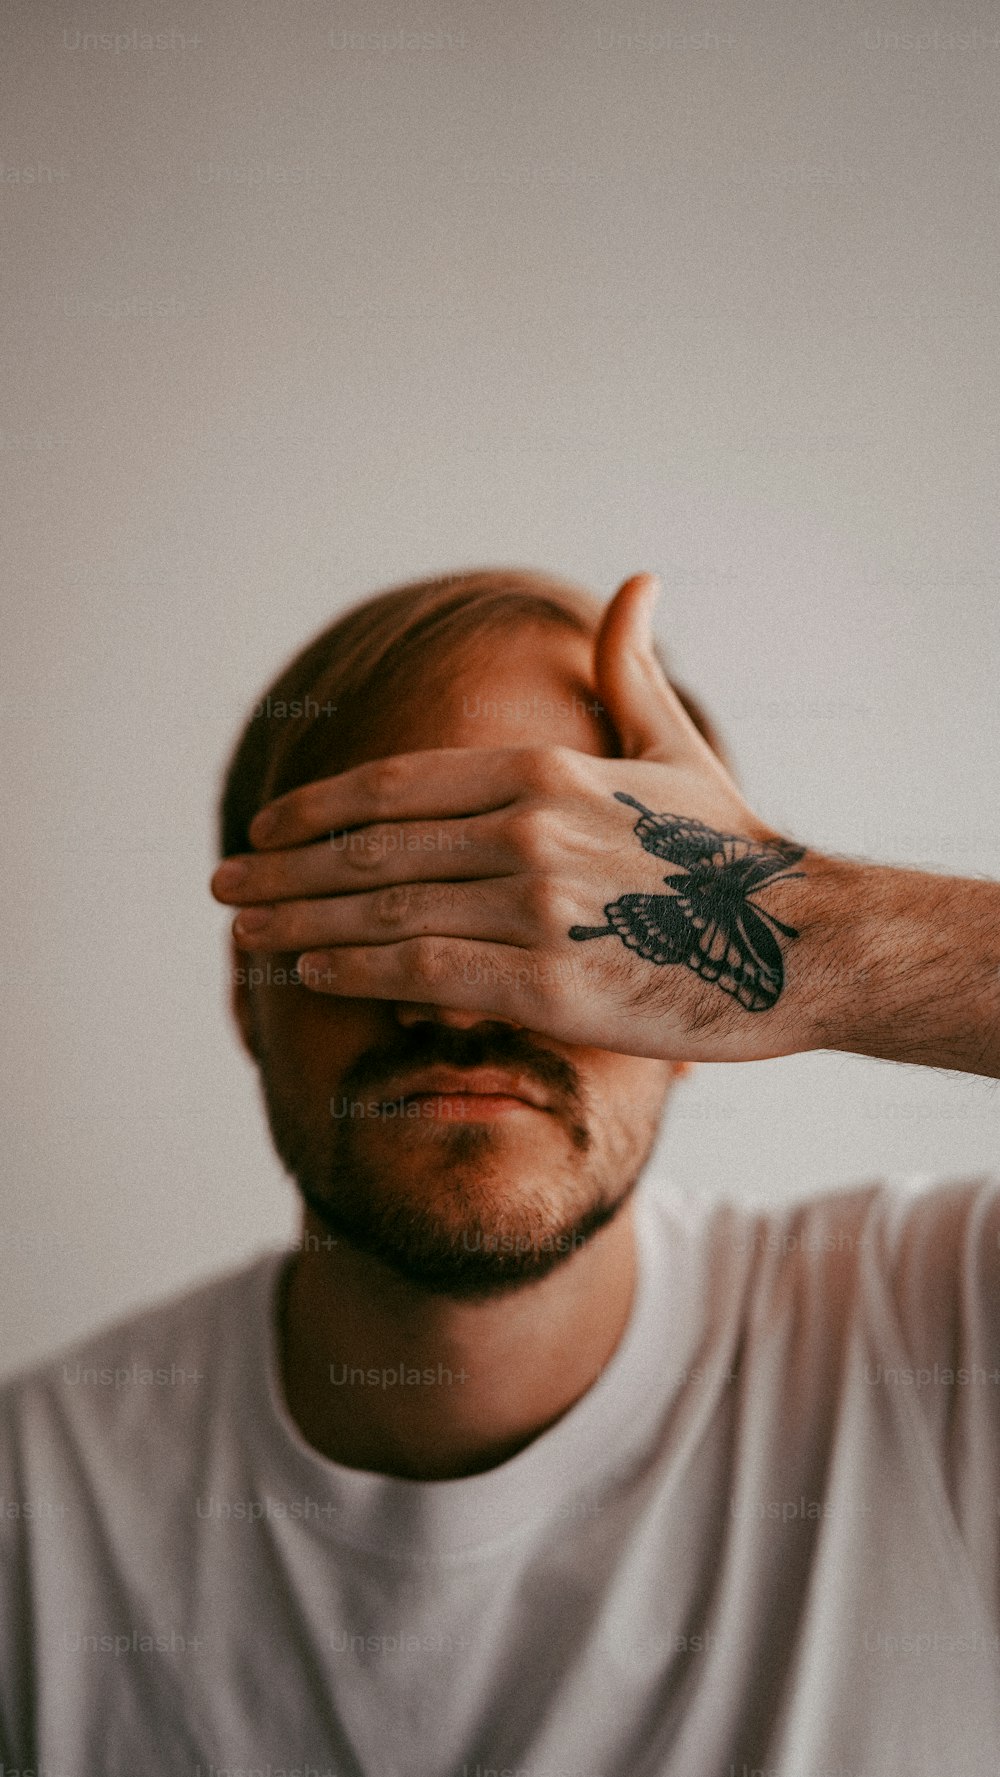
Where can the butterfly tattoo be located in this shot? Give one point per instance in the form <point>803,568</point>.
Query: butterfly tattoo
<point>707,921</point>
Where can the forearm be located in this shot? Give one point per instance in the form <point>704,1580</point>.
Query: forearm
<point>905,965</point>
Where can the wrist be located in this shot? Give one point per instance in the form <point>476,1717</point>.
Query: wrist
<point>830,965</point>
<point>906,965</point>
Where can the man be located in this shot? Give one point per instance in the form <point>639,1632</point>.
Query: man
<point>515,1464</point>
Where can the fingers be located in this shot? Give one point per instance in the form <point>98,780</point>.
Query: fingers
<point>408,910</point>
<point>498,980</point>
<point>438,782</point>
<point>348,863</point>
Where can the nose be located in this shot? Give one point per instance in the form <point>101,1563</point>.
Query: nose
<point>410,1012</point>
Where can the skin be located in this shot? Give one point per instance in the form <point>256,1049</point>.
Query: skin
<point>529,1349</point>
<point>598,952</point>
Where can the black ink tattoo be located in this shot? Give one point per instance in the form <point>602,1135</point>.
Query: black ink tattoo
<point>708,922</point>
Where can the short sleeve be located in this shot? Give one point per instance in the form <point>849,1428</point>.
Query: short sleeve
<point>943,1262</point>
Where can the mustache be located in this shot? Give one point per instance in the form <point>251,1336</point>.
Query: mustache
<point>486,1045</point>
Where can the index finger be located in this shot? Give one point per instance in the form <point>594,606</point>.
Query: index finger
<point>434,783</point>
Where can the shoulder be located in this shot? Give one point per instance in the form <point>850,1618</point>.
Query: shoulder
<point>941,1246</point>
<point>774,1263</point>
<point>102,1445</point>
<point>166,1361</point>
<point>901,1269</point>
<point>919,1242</point>
<point>887,1297</point>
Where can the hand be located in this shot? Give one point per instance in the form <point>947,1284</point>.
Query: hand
<point>634,904</point>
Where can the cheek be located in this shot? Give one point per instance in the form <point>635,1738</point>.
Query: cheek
<point>614,1078</point>
<point>620,1081</point>
<point>314,1029</point>
<point>631,1102</point>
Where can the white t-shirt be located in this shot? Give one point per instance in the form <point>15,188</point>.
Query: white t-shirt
<point>765,1540</point>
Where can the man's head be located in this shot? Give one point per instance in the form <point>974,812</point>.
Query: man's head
<point>460,1206</point>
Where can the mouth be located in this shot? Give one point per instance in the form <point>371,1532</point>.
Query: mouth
<point>472,1092</point>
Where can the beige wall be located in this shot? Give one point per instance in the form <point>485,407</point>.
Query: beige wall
<point>298,302</point>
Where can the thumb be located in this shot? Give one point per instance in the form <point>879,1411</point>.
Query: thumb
<point>649,717</point>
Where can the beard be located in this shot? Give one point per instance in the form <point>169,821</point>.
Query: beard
<point>475,1222</point>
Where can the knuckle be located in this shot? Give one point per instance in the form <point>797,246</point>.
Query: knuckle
<point>383,779</point>
<point>287,928</point>
<point>361,852</point>
<point>553,768</point>
<point>528,831</point>
<point>546,900</point>
<point>392,905</point>
<point>565,763</point>
<point>429,959</point>
<point>270,880</point>
<point>539,767</point>
<point>306,806</point>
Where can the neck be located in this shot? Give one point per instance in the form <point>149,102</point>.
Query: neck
<point>459,1386</point>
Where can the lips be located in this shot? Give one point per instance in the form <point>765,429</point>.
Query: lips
<point>473,1081</point>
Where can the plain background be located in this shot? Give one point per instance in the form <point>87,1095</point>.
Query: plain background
<point>304,299</point>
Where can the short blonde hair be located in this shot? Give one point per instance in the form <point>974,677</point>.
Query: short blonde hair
<point>323,700</point>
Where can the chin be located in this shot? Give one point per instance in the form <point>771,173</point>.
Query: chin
<point>470,1239</point>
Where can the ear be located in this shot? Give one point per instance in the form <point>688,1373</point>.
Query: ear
<point>241,998</point>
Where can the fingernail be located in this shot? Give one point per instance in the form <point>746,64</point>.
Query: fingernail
<point>229,876</point>
<point>252,919</point>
